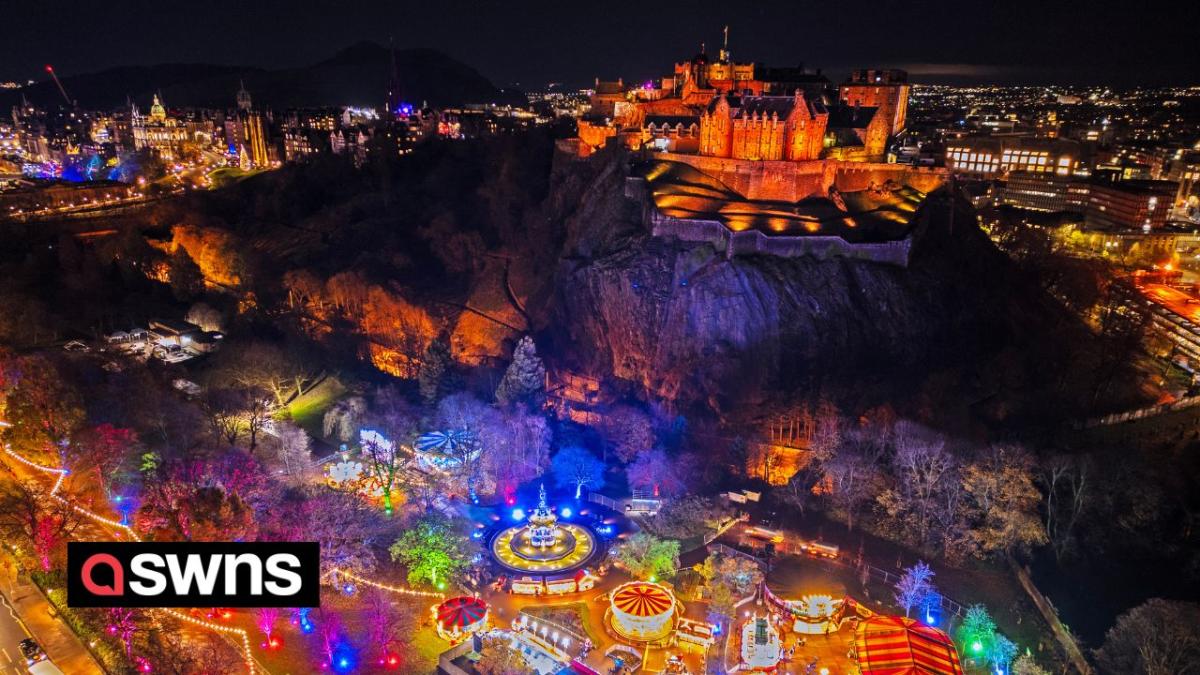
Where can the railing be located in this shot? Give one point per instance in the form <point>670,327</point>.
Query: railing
<point>607,502</point>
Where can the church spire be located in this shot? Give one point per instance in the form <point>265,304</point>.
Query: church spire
<point>243,97</point>
<point>393,93</point>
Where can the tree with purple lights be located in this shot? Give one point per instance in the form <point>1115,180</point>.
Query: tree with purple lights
<point>915,587</point>
<point>293,450</point>
<point>329,630</point>
<point>122,623</point>
<point>656,471</point>
<point>265,618</point>
<point>575,467</point>
<point>627,431</point>
<point>385,627</point>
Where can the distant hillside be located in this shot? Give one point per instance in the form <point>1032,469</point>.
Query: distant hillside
<point>357,75</point>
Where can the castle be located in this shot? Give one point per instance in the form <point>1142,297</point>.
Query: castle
<point>748,111</point>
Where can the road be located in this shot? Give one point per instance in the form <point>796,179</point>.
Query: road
<point>12,631</point>
<point>1175,300</point>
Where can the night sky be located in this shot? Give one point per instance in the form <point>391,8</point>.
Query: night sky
<point>531,43</point>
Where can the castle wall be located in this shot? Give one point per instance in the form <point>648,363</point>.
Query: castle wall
<point>747,242</point>
<point>793,181</point>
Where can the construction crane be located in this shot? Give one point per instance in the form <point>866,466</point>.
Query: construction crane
<point>62,90</point>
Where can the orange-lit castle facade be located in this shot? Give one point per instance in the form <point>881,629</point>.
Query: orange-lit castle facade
<point>748,111</point>
<point>763,128</point>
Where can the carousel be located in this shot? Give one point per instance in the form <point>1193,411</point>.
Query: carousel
<point>641,611</point>
<point>457,618</point>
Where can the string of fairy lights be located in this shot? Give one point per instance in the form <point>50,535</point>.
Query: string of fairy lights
<point>248,655</point>
<point>385,587</point>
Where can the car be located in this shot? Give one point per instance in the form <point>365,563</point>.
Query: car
<point>44,667</point>
<point>76,346</point>
<point>32,651</point>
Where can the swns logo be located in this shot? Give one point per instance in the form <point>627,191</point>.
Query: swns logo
<point>193,574</point>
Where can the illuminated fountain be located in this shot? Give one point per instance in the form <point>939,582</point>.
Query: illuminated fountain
<point>543,524</point>
<point>543,545</point>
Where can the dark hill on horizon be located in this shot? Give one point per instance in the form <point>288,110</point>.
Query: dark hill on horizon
<point>357,75</point>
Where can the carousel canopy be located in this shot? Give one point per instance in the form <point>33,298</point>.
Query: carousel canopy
<point>894,645</point>
<point>445,442</point>
<point>640,598</point>
<point>458,613</point>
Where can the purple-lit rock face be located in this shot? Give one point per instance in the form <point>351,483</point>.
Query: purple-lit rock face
<point>681,321</point>
<point>689,325</point>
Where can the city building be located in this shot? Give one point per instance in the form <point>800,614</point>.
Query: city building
<point>247,134</point>
<point>158,131</point>
<point>1044,192</point>
<point>1131,204</point>
<point>1185,170</point>
<point>990,157</point>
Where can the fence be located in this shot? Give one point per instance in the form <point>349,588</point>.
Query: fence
<point>606,502</point>
<point>947,605</point>
<point>1141,413</point>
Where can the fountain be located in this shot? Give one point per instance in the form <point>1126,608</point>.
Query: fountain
<point>542,544</point>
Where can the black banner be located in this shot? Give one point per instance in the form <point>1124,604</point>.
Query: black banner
<point>193,574</point>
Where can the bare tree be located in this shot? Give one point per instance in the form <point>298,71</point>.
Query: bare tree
<point>1067,493</point>
<point>922,466</point>
<point>1158,637</point>
<point>915,587</point>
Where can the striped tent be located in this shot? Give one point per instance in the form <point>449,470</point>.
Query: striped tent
<point>642,599</point>
<point>894,645</point>
<point>462,613</point>
<point>445,442</point>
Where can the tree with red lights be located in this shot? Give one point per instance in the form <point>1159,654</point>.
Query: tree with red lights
<point>101,451</point>
<point>43,408</point>
<point>44,522</point>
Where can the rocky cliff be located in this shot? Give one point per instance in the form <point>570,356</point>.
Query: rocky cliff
<point>679,321</point>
